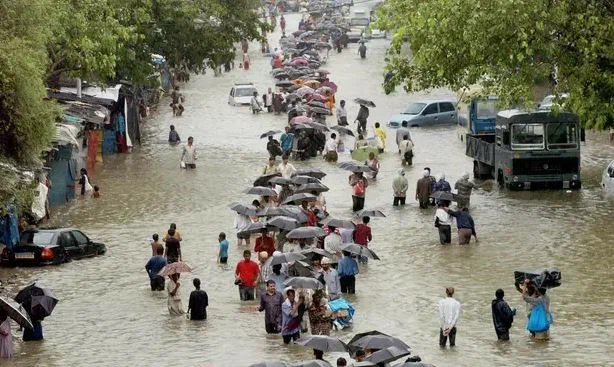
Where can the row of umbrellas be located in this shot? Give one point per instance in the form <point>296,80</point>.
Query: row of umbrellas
<point>388,349</point>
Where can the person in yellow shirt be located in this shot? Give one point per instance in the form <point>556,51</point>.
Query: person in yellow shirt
<point>380,134</point>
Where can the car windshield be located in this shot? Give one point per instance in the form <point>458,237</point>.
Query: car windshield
<point>487,109</point>
<point>562,135</point>
<point>527,136</point>
<point>359,21</point>
<point>244,92</point>
<point>414,108</point>
<point>37,238</point>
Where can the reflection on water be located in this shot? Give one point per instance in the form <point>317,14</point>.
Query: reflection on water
<point>107,315</point>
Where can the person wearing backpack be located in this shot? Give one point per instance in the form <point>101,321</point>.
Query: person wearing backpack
<point>359,186</point>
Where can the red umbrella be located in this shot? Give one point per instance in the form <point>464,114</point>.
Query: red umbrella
<point>176,268</point>
<point>330,84</point>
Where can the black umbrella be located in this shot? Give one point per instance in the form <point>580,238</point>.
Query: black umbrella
<point>38,302</point>
<point>364,102</point>
<point>303,282</point>
<point>269,364</point>
<point>305,233</point>
<point>388,355</point>
<point>318,126</point>
<point>324,343</point>
<point>362,335</point>
<point>283,83</point>
<point>379,342</point>
<point>280,181</point>
<point>283,222</point>
<point>264,180</point>
<point>261,190</point>
<point>371,213</point>
<point>269,133</point>
<point>244,209</point>
<point>359,250</point>
<point>301,180</point>
<point>292,97</point>
<point>300,197</point>
<point>444,195</point>
<point>16,312</point>
<point>310,253</point>
<point>338,223</point>
<point>253,228</point>
<point>300,269</point>
<point>320,110</point>
<point>311,187</point>
<point>319,174</point>
<point>270,212</point>
<point>284,258</point>
<point>343,130</point>
<point>316,104</point>
<point>357,169</point>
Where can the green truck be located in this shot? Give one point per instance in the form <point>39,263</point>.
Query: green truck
<point>529,150</point>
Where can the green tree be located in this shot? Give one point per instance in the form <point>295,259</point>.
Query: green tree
<point>506,45</point>
<point>26,117</point>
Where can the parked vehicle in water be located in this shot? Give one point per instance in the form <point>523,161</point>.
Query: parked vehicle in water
<point>607,179</point>
<point>359,25</point>
<point>426,113</point>
<point>241,94</point>
<point>51,246</point>
<point>529,150</point>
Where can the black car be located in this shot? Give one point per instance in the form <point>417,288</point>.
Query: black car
<point>51,246</point>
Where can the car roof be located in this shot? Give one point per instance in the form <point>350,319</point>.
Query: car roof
<point>521,116</point>
<point>433,101</point>
<point>50,230</point>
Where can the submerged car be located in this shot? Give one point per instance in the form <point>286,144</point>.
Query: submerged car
<point>607,179</point>
<point>426,113</point>
<point>51,246</point>
<point>241,94</point>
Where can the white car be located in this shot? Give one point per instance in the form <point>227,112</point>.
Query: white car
<point>607,179</point>
<point>241,94</point>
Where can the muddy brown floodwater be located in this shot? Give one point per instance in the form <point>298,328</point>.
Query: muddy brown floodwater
<point>108,316</point>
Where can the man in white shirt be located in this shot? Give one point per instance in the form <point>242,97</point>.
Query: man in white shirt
<point>188,156</point>
<point>332,243</point>
<point>449,311</point>
<point>331,277</point>
<point>330,149</point>
<point>401,132</point>
<point>287,169</point>
<point>268,102</point>
<point>342,115</point>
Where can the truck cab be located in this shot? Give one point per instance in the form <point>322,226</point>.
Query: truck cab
<point>477,116</point>
<point>360,20</point>
<point>529,150</point>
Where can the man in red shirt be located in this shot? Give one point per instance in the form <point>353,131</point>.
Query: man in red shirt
<point>265,243</point>
<point>362,236</point>
<point>246,275</point>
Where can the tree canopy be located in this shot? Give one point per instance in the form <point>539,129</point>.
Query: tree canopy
<point>42,41</point>
<point>507,46</point>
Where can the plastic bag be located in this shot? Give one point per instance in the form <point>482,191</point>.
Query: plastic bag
<point>540,319</point>
<point>182,164</point>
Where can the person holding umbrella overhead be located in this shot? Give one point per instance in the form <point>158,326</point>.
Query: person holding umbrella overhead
<point>361,118</point>
<point>38,303</point>
<point>359,186</point>
<point>443,222</point>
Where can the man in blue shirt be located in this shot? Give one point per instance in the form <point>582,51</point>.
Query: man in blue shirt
<point>286,140</point>
<point>465,225</point>
<point>153,267</point>
<point>347,269</point>
<point>222,257</point>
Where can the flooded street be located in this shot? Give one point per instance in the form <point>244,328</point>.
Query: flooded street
<point>108,315</point>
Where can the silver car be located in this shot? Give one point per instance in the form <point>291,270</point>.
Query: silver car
<point>607,179</point>
<point>427,113</point>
